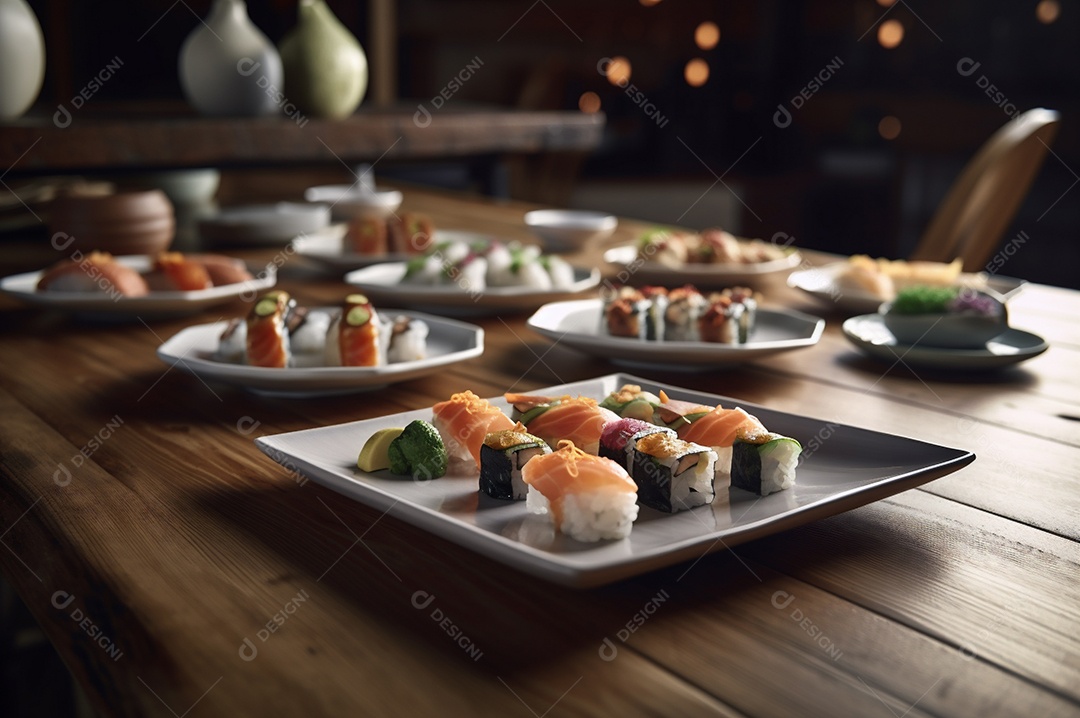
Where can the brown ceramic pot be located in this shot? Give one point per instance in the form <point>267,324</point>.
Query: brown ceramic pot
<point>123,223</point>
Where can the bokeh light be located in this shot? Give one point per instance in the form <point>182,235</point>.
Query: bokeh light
<point>889,127</point>
<point>707,35</point>
<point>618,71</point>
<point>696,72</point>
<point>589,102</point>
<point>890,34</point>
<point>1047,11</point>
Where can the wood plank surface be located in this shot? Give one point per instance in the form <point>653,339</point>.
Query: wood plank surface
<point>187,552</point>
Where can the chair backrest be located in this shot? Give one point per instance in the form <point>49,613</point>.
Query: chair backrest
<point>983,200</point>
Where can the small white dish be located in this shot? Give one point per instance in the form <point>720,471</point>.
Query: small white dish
<point>349,201</point>
<point>382,283</point>
<point>821,283</point>
<point>564,230</point>
<point>263,224</point>
<point>193,349</point>
<point>576,324</point>
<point>702,275</point>
<point>24,287</point>
<point>868,333</point>
<point>854,467</point>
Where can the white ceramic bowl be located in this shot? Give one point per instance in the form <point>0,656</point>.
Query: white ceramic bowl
<point>265,223</point>
<point>347,201</point>
<point>567,229</point>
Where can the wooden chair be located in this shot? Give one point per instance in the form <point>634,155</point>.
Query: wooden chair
<point>984,199</point>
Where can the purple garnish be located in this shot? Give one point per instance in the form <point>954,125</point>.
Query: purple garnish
<point>975,303</point>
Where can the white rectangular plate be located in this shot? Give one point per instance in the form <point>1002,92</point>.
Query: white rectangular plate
<point>844,467</point>
<point>449,342</point>
<point>24,287</point>
<point>577,324</point>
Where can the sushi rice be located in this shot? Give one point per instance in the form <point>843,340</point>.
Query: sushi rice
<point>591,515</point>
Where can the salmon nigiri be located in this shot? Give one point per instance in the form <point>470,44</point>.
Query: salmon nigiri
<point>267,334</point>
<point>464,420</point>
<point>354,335</point>
<point>580,420</point>
<point>588,497</point>
<point>720,427</point>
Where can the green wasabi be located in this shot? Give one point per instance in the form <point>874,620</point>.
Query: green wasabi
<point>418,451</point>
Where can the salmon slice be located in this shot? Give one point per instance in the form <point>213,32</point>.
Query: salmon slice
<point>570,471</point>
<point>721,427</point>
<point>184,274</point>
<point>358,333</point>
<point>578,420</point>
<point>464,420</point>
<point>267,337</point>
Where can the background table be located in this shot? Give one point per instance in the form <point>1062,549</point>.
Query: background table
<point>229,586</point>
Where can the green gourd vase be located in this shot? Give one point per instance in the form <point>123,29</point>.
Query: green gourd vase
<point>326,70</point>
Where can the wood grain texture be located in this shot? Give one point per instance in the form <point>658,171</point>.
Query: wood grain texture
<point>179,541</point>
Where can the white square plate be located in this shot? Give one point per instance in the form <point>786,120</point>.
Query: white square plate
<point>844,467</point>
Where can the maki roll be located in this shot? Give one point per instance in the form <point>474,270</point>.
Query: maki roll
<point>267,334</point>
<point>353,338</point>
<point>406,339</point>
<point>722,321</point>
<point>630,402</point>
<point>588,498</point>
<point>671,474</point>
<point>625,314</point>
<point>464,420</point>
<point>502,457</point>
<point>719,429</point>
<point>616,438</point>
<point>684,307</point>
<point>749,301</point>
<point>765,464</point>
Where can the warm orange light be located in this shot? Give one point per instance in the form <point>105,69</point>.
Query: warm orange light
<point>889,127</point>
<point>890,33</point>
<point>886,3</point>
<point>696,72</point>
<point>649,3</point>
<point>589,102</point>
<point>1047,11</point>
<point>618,71</point>
<point>707,35</point>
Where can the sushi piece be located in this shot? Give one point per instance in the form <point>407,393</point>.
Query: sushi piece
<point>464,420</point>
<point>222,270</point>
<point>367,235</point>
<point>353,336</point>
<point>405,339</point>
<point>559,270</point>
<point>174,272</point>
<point>720,430</point>
<point>657,298</point>
<point>624,314</point>
<point>502,457</point>
<point>766,464</point>
<point>580,420</point>
<point>232,345</point>
<point>630,402</point>
<point>663,246</point>
<point>267,340</point>
<point>616,438</point>
<point>307,336</point>
<point>589,498</point>
<point>95,272</point>
<point>412,233</point>
<point>671,474</point>
<point>749,301</point>
<point>721,321</point>
<point>677,414</point>
<point>684,307</point>
<point>524,268</point>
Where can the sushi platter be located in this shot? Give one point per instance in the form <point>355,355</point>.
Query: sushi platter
<point>198,350</point>
<point>705,275</point>
<point>158,303</point>
<point>841,467</point>
<point>578,324</point>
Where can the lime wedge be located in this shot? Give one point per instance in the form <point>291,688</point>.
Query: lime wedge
<point>374,456</point>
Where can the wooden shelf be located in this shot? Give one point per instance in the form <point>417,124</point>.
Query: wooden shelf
<point>35,144</point>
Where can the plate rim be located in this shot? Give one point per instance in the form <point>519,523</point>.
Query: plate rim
<point>556,568</point>
<point>718,271</point>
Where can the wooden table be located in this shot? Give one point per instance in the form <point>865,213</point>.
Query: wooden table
<point>205,580</point>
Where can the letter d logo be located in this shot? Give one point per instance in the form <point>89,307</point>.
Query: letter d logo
<point>608,651</point>
<point>248,650</point>
<point>782,117</point>
<point>421,118</point>
<point>782,599</point>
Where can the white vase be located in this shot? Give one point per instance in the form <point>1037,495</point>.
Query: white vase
<point>228,67</point>
<point>22,58</point>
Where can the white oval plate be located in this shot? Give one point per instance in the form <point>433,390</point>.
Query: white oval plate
<point>820,283</point>
<point>854,467</point>
<point>382,283</point>
<point>192,349</point>
<point>703,275</point>
<point>577,324</point>
<point>869,334</point>
<point>24,287</point>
